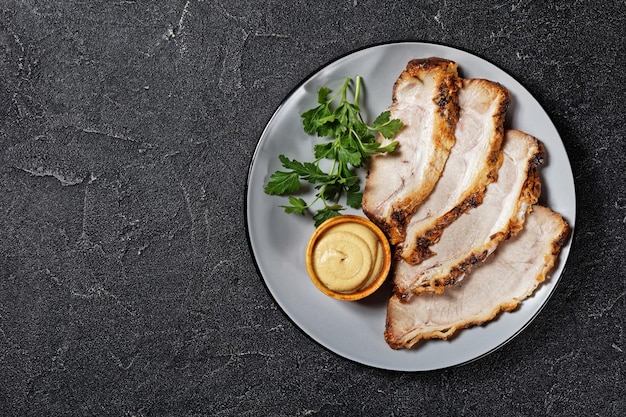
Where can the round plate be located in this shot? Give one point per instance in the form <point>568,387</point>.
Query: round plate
<point>278,240</point>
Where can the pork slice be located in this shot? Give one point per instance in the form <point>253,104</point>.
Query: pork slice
<point>473,236</point>
<point>473,164</point>
<point>425,99</point>
<point>508,277</point>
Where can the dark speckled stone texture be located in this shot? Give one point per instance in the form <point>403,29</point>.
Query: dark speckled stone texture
<point>127,287</point>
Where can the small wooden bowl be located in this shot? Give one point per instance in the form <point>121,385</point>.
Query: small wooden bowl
<point>362,292</point>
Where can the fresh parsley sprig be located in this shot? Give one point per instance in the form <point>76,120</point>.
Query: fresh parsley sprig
<point>351,143</point>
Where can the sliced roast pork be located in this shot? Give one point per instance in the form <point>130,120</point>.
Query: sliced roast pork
<point>473,164</point>
<point>473,236</point>
<point>509,276</point>
<point>425,98</point>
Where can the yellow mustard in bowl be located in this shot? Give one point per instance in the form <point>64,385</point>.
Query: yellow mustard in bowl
<point>348,257</point>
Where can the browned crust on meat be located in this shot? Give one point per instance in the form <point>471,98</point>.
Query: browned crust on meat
<point>494,161</point>
<point>422,249</point>
<point>549,262</point>
<point>447,103</point>
<point>416,66</point>
<point>560,242</point>
<point>529,195</point>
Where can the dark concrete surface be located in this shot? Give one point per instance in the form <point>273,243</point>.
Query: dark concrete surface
<point>127,287</point>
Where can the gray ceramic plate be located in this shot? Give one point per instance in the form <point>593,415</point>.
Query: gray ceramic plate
<point>354,330</point>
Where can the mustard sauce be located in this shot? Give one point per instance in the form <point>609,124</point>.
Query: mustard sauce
<point>347,257</point>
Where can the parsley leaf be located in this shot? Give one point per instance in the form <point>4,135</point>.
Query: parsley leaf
<point>386,127</point>
<point>351,142</point>
<point>282,182</point>
<point>326,213</point>
<point>297,205</point>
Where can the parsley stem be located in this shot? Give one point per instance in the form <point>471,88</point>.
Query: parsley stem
<point>344,89</point>
<point>357,90</point>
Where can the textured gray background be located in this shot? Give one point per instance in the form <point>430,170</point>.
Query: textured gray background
<point>127,287</point>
